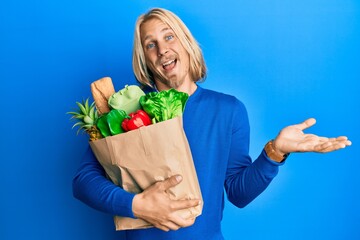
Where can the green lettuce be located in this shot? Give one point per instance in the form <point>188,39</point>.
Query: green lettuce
<point>164,105</point>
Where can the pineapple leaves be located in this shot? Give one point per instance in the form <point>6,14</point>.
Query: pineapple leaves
<point>86,115</point>
<point>88,120</point>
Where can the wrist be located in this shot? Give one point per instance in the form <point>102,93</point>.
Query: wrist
<point>275,146</point>
<point>273,153</point>
<point>135,205</point>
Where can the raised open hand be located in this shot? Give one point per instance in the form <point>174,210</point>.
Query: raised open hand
<point>293,139</point>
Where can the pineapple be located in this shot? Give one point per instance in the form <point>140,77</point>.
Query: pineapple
<point>87,116</point>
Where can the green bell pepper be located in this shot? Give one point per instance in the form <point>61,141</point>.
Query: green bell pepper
<point>109,123</point>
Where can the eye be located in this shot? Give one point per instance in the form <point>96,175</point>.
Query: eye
<point>150,45</point>
<point>169,37</point>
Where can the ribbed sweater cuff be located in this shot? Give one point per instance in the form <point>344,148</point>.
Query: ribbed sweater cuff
<point>267,165</point>
<point>123,204</point>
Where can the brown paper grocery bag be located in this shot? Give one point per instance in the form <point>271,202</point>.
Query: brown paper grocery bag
<point>137,159</point>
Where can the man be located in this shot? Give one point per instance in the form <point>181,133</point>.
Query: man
<point>167,56</point>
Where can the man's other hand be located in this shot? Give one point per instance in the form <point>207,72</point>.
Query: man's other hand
<point>154,206</point>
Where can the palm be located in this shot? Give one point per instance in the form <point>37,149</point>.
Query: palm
<point>293,139</point>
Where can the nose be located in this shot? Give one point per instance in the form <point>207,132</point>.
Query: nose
<point>162,49</point>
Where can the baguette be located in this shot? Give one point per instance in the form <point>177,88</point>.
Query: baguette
<point>102,90</point>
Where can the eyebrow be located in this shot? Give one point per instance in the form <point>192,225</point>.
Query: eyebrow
<point>162,30</point>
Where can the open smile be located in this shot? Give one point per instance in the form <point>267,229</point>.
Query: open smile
<point>169,65</point>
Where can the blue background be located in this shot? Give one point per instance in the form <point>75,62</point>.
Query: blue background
<point>286,60</point>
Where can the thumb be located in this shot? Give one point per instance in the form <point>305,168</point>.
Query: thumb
<point>171,182</point>
<point>306,124</point>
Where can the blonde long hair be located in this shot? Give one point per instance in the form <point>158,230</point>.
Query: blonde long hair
<point>197,63</point>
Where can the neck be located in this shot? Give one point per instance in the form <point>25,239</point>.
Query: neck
<point>189,88</point>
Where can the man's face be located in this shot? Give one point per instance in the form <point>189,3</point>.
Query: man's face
<point>165,56</point>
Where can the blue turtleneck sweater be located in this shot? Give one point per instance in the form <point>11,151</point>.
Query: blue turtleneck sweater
<point>217,128</point>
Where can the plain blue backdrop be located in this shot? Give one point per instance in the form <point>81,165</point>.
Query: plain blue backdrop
<point>286,60</point>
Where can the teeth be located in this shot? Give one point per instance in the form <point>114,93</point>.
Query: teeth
<point>168,63</point>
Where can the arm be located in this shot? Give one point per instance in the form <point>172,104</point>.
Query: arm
<point>91,186</point>
<point>245,180</point>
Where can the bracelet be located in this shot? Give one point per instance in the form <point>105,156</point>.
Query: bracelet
<point>272,154</point>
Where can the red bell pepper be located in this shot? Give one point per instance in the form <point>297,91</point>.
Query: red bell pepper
<point>137,119</point>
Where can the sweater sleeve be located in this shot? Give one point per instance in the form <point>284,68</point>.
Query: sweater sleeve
<point>245,180</point>
<point>91,186</point>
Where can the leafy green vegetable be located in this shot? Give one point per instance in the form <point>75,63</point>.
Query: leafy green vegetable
<point>164,105</point>
<point>109,123</point>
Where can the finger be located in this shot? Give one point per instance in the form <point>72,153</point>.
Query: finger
<point>333,147</point>
<point>325,139</point>
<point>345,140</point>
<point>184,204</point>
<point>181,222</point>
<point>323,147</point>
<point>162,227</point>
<point>335,140</point>
<point>189,222</point>
<point>338,139</point>
<point>306,124</point>
<point>170,182</point>
<point>171,225</point>
<point>342,138</point>
<point>330,146</point>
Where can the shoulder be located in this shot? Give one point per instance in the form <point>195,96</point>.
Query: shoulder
<point>229,108</point>
<point>211,94</point>
<point>223,99</point>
